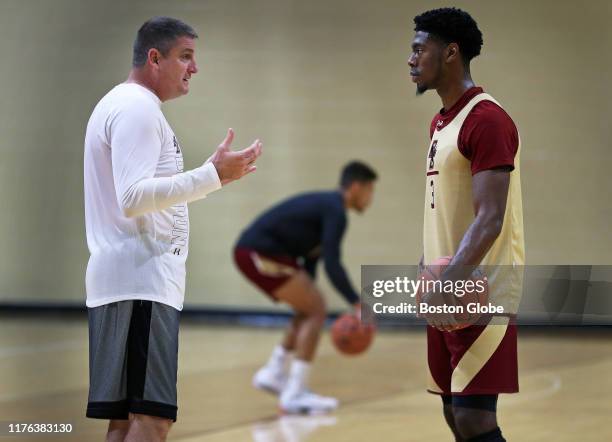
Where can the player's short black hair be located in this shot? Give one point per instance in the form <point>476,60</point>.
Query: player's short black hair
<point>356,171</point>
<point>452,25</point>
<point>159,33</point>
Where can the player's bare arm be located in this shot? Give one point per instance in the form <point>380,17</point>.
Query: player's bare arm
<point>489,196</point>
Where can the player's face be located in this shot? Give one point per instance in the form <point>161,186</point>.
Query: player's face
<point>364,192</point>
<point>425,62</point>
<point>176,68</point>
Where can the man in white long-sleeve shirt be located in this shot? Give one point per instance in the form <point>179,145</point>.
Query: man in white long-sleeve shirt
<point>136,195</point>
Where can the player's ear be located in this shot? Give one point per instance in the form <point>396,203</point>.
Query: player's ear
<point>452,52</point>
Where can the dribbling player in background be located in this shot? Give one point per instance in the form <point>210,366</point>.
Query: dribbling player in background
<point>473,212</point>
<point>278,252</point>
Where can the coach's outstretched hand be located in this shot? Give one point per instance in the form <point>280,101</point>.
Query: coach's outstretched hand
<point>233,165</point>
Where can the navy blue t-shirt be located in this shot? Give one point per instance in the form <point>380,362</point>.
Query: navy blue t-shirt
<point>308,226</point>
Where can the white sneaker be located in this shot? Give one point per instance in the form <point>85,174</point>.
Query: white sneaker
<point>269,380</point>
<point>306,402</point>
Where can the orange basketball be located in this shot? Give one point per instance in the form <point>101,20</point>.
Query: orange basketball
<point>351,336</point>
<point>433,271</point>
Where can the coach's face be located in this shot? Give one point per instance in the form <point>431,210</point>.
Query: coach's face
<point>176,68</point>
<point>425,62</point>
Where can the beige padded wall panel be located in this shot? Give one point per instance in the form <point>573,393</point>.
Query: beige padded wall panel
<point>321,82</point>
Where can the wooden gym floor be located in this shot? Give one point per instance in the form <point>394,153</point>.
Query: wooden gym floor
<point>566,387</point>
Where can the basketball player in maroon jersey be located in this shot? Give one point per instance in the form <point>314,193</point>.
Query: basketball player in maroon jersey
<point>473,212</point>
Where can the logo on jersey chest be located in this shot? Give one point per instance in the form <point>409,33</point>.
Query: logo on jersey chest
<point>176,144</point>
<point>432,153</point>
<point>178,155</point>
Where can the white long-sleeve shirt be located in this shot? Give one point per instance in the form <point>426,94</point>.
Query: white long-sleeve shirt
<point>136,196</point>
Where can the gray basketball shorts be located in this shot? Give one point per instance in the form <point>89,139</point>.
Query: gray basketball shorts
<point>133,356</point>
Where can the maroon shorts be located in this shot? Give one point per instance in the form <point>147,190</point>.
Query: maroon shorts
<point>480,359</point>
<point>268,272</point>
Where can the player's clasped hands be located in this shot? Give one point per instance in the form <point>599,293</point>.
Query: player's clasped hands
<point>233,165</point>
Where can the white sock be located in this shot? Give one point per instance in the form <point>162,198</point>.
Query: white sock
<point>298,377</point>
<point>278,359</point>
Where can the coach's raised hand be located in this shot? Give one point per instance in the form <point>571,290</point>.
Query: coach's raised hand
<point>233,165</point>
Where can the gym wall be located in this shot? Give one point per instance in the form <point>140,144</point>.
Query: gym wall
<point>321,83</point>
